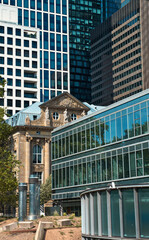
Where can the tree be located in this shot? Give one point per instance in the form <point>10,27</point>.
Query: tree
<point>8,163</point>
<point>45,191</point>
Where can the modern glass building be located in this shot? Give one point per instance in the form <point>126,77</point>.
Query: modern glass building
<point>110,145</point>
<point>83,17</point>
<point>50,17</point>
<point>119,55</point>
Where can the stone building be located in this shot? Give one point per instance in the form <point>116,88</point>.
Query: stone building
<point>32,136</point>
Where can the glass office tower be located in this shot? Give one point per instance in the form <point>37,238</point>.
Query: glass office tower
<point>84,16</point>
<point>51,17</point>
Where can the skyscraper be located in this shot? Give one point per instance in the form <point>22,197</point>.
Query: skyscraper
<point>50,19</point>
<point>84,16</point>
<point>120,54</point>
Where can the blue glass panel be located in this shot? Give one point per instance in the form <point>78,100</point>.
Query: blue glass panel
<point>58,42</point>
<point>39,20</point>
<point>45,5</point>
<point>52,22</point>
<point>40,39</point>
<point>104,213</point>
<point>64,43</point>
<point>58,23</point>
<point>115,215</point>
<point>52,60</point>
<point>59,61</point>
<point>52,78</point>
<point>59,80</point>
<point>58,6</point>
<point>32,19</point>
<point>64,7</point>
<point>46,79</point>
<point>46,95</point>
<point>32,4</point>
<point>5,1</point>
<point>26,3</point>
<point>45,21</point>
<point>51,5</point>
<point>38,4</point>
<point>45,40</point>
<point>41,97</point>
<point>52,94</point>
<point>64,25</point>
<point>40,78</point>
<point>26,19</point>
<point>65,62</point>
<point>46,60</point>
<point>128,213</point>
<point>52,41</point>
<point>65,81</point>
<point>20,16</point>
<point>12,2</point>
<point>40,59</point>
<point>144,212</point>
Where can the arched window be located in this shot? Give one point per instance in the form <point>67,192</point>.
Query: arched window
<point>37,154</point>
<point>73,116</point>
<point>55,116</point>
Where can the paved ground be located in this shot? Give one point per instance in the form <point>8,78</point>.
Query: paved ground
<point>64,234</point>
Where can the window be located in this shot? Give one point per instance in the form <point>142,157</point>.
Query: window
<point>18,32</point>
<point>37,154</point>
<point>34,64</point>
<point>18,83</point>
<point>18,52</point>
<point>26,63</point>
<point>9,71</point>
<point>1,102</point>
<point>9,81</point>
<point>9,31</point>
<point>9,112</point>
<point>1,60</point>
<point>1,29</point>
<point>26,53</point>
<point>18,42</point>
<point>18,62</point>
<point>1,39</point>
<point>9,92</point>
<point>18,93</point>
<point>73,116</point>
<point>10,61</point>
<point>55,116</point>
<point>34,54</point>
<point>18,72</point>
<point>26,104</point>
<point>9,102</point>
<point>1,70</point>
<point>18,103</point>
<point>34,44</point>
<point>2,50</point>
<point>26,43</point>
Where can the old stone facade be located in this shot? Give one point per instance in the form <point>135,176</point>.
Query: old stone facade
<point>32,138</point>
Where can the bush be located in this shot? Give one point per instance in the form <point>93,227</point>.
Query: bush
<point>55,213</point>
<point>64,214</point>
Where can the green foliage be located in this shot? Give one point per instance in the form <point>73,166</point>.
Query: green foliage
<point>55,214</point>
<point>72,216</point>
<point>45,191</point>
<point>8,163</point>
<point>64,214</point>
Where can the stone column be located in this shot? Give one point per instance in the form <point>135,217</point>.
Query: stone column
<point>47,158</point>
<point>28,159</point>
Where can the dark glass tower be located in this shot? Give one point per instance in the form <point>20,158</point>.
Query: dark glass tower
<point>84,15</point>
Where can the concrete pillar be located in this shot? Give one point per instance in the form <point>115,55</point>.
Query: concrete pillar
<point>33,197</point>
<point>22,201</point>
<point>83,214</point>
<point>47,158</point>
<point>28,159</point>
